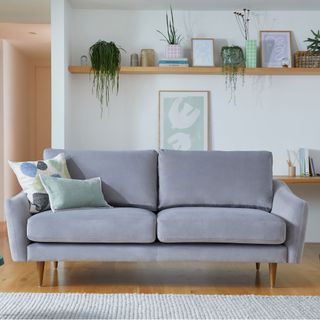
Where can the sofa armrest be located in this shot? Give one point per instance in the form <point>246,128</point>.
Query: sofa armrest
<point>294,211</point>
<point>17,214</point>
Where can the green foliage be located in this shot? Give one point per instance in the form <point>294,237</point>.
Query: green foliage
<point>233,64</point>
<point>314,45</point>
<point>172,37</point>
<point>105,60</point>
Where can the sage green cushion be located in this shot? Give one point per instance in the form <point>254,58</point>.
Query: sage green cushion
<point>72,193</point>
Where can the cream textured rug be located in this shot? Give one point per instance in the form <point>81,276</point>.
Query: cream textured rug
<point>155,306</point>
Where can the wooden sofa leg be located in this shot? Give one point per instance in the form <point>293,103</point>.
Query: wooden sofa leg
<point>272,274</point>
<point>257,266</point>
<point>55,264</point>
<point>40,267</point>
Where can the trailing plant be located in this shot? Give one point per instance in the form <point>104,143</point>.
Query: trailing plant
<point>105,61</point>
<point>172,36</point>
<point>233,64</point>
<point>314,45</point>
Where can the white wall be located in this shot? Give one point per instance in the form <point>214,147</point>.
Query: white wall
<point>273,113</point>
<point>60,58</point>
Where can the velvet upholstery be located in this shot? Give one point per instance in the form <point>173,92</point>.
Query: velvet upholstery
<point>17,215</point>
<point>94,225</point>
<point>129,178</point>
<point>220,225</point>
<point>294,211</point>
<point>157,252</point>
<point>215,178</point>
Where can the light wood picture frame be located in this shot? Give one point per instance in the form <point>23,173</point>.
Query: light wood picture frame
<point>275,46</point>
<point>202,52</point>
<point>183,120</point>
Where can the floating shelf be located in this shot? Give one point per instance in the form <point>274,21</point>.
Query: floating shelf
<point>298,180</point>
<point>202,70</point>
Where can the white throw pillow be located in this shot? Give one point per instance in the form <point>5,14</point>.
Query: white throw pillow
<point>27,173</point>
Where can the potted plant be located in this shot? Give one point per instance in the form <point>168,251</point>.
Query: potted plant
<point>310,58</point>
<point>173,49</point>
<point>233,64</point>
<point>105,61</point>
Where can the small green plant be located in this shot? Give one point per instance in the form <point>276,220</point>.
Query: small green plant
<point>172,37</point>
<point>105,61</point>
<point>233,64</point>
<point>314,45</point>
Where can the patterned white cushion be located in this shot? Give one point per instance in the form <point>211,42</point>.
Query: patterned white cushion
<point>28,175</point>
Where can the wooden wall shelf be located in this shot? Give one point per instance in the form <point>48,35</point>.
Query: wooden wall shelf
<point>298,180</point>
<point>202,70</point>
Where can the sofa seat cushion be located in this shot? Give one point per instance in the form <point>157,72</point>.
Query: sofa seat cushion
<point>94,225</point>
<point>220,225</point>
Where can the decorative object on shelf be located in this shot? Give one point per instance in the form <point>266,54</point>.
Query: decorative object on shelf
<point>202,52</point>
<point>251,53</point>
<point>147,58</point>
<point>181,62</point>
<point>183,120</point>
<point>314,45</point>
<point>306,59</point>
<point>84,60</point>
<point>275,49</point>
<point>310,58</point>
<point>233,63</point>
<point>134,60</point>
<point>105,61</point>
<point>243,21</point>
<point>292,159</point>
<point>173,49</point>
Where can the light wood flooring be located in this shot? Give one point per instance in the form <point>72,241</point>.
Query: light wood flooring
<point>198,278</point>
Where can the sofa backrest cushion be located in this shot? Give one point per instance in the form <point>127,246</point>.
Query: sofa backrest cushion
<point>215,178</point>
<point>129,178</point>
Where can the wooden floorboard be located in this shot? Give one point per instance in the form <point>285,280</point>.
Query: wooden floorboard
<point>198,278</point>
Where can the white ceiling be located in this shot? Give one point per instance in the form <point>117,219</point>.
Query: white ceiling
<point>197,4</point>
<point>25,11</point>
<point>35,46</point>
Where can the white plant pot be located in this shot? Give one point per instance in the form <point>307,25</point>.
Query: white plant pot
<point>173,51</point>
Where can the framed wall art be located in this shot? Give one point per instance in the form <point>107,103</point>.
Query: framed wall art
<point>275,49</point>
<point>202,52</point>
<point>183,120</point>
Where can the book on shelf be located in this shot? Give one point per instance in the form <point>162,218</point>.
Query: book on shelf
<point>309,162</point>
<point>180,62</point>
<point>174,65</point>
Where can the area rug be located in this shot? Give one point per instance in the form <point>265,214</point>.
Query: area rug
<point>155,306</point>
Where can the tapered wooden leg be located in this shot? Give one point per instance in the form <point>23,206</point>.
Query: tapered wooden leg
<point>40,267</point>
<point>55,264</point>
<point>257,266</point>
<point>272,274</point>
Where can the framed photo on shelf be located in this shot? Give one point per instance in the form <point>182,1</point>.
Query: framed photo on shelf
<point>183,120</point>
<point>275,49</point>
<point>202,52</point>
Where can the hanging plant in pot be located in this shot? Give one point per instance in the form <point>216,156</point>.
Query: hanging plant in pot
<point>105,61</point>
<point>233,64</point>
<point>173,49</point>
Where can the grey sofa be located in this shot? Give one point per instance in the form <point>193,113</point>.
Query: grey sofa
<point>167,206</point>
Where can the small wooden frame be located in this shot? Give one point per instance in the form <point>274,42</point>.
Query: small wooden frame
<point>202,52</point>
<point>275,48</point>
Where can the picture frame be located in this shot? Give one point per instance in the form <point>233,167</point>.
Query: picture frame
<point>275,49</point>
<point>183,120</point>
<point>202,52</point>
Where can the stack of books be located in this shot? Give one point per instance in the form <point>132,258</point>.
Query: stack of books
<point>180,62</point>
<point>309,162</point>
